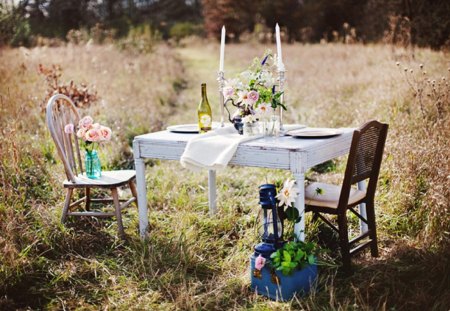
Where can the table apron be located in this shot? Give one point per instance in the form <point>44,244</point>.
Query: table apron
<point>325,153</point>
<point>245,156</point>
<point>252,156</point>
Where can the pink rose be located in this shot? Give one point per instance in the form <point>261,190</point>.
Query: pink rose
<point>68,129</point>
<point>105,133</point>
<point>96,126</point>
<point>85,122</point>
<point>92,135</point>
<point>81,132</point>
<point>253,96</point>
<point>260,261</point>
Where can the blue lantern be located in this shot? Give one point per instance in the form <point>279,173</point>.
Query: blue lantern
<point>271,229</point>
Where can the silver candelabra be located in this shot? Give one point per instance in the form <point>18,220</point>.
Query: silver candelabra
<point>221,80</point>
<point>281,81</point>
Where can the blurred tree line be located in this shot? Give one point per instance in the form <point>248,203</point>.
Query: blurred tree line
<point>420,22</point>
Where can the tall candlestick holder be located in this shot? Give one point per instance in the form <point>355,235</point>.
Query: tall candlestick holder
<point>221,80</point>
<point>281,82</point>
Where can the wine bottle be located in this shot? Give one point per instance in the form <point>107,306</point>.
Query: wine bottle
<point>204,112</point>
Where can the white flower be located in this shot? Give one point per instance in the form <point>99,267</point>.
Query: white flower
<point>234,83</point>
<point>288,194</point>
<point>242,96</point>
<point>246,77</point>
<point>264,110</point>
<point>266,79</point>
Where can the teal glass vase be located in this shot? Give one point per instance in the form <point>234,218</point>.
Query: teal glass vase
<point>93,165</point>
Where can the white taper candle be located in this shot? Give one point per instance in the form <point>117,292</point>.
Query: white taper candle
<point>280,64</point>
<point>222,48</point>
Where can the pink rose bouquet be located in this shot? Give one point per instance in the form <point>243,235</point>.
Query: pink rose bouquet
<point>89,133</point>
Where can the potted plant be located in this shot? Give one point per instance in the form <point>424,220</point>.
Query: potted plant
<point>291,266</point>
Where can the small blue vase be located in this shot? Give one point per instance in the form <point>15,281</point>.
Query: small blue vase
<point>93,165</point>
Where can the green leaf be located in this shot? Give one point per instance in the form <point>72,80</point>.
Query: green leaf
<point>311,259</point>
<point>287,256</point>
<point>292,214</point>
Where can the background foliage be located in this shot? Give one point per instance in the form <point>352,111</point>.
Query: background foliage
<point>135,66</point>
<point>423,22</point>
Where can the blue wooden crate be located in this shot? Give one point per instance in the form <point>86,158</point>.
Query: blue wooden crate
<point>276,286</point>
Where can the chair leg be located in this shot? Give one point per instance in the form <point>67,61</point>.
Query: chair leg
<point>87,193</point>
<point>372,229</point>
<point>344,242</point>
<point>134,192</point>
<point>315,217</point>
<point>115,196</point>
<point>66,204</point>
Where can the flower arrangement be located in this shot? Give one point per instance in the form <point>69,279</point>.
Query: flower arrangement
<point>295,254</point>
<point>254,91</point>
<point>89,132</point>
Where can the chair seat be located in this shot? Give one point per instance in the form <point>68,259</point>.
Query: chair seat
<point>109,179</point>
<point>329,197</point>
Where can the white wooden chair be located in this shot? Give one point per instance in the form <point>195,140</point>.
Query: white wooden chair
<point>60,112</point>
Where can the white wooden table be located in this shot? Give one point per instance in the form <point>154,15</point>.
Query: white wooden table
<point>288,153</point>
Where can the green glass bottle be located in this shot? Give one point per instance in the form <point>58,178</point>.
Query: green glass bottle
<point>204,112</point>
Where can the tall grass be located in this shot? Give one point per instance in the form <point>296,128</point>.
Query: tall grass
<point>192,260</point>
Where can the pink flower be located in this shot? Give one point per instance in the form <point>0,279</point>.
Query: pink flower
<point>96,126</point>
<point>85,122</point>
<point>253,96</point>
<point>260,261</point>
<point>105,133</point>
<point>68,129</point>
<point>81,132</point>
<point>93,135</point>
<point>228,91</point>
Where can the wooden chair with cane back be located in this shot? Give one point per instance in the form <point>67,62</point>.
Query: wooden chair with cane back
<point>60,112</point>
<point>363,164</point>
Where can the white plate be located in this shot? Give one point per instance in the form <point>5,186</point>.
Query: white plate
<point>315,132</point>
<point>188,128</point>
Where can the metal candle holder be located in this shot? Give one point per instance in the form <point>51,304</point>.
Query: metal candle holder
<point>281,81</point>
<point>221,80</point>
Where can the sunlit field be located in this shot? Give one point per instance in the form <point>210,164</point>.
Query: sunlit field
<point>192,261</point>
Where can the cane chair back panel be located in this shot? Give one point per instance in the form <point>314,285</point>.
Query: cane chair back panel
<point>61,112</point>
<point>364,159</point>
<point>366,152</point>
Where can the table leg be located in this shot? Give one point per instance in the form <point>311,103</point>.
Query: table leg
<point>212,195</point>
<point>362,209</point>
<point>299,228</point>
<point>142,196</point>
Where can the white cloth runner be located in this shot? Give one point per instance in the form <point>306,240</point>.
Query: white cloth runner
<point>213,150</point>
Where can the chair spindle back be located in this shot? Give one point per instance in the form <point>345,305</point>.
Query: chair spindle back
<point>60,112</point>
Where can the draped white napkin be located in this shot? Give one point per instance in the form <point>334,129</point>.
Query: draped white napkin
<point>214,150</point>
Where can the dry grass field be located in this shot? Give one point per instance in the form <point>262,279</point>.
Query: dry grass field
<point>192,261</point>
